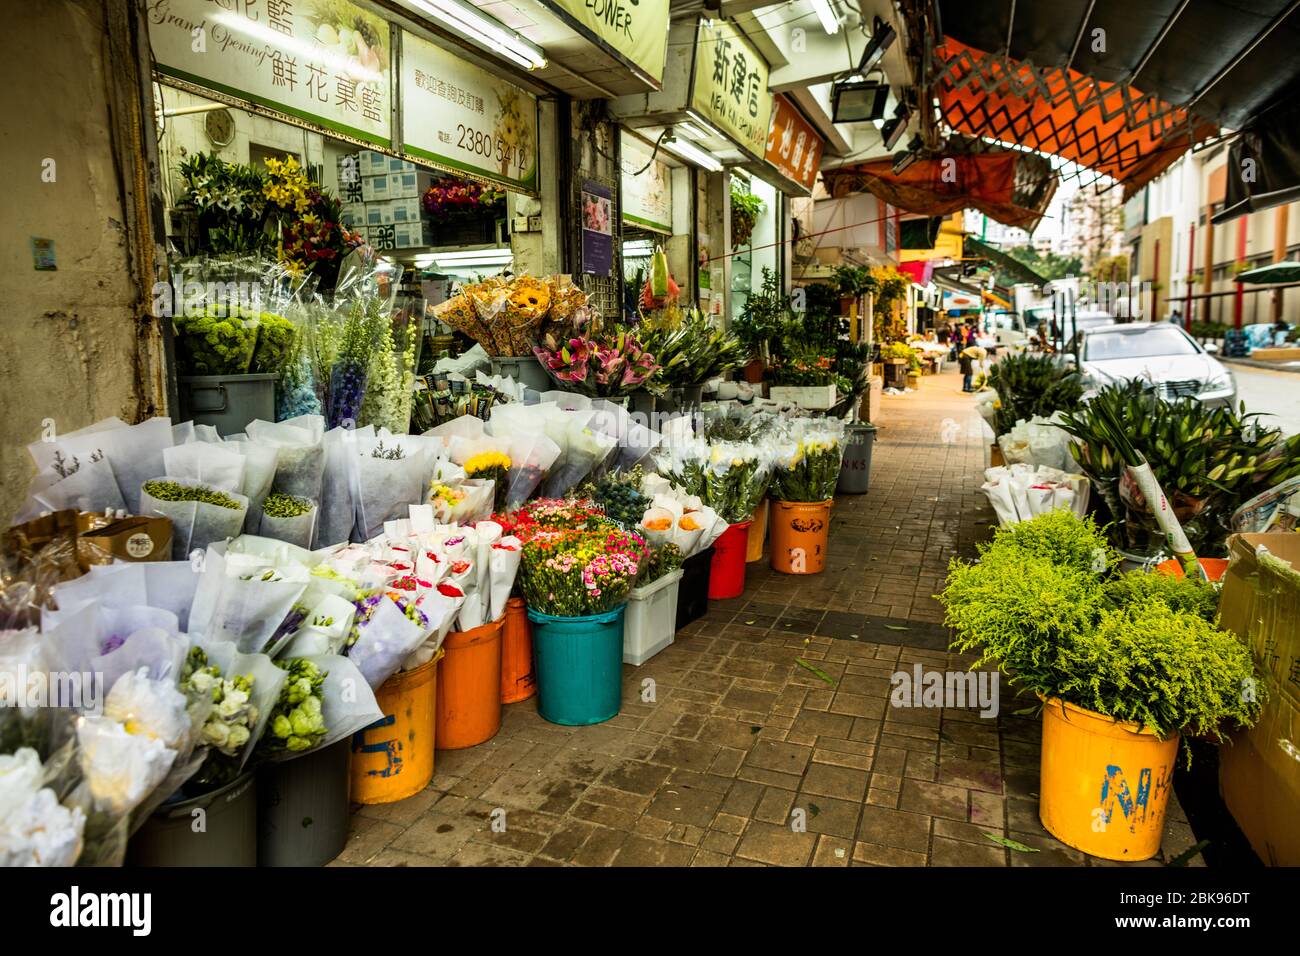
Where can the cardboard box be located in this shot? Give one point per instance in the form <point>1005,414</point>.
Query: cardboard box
<point>381,238</point>
<point>1259,772</point>
<point>353,214</point>
<point>816,397</point>
<point>373,163</point>
<point>412,235</point>
<point>379,213</point>
<point>135,538</point>
<point>406,210</point>
<point>375,188</point>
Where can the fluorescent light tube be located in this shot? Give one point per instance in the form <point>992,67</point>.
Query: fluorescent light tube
<point>474,26</point>
<point>473,254</point>
<point>692,154</point>
<point>826,14</point>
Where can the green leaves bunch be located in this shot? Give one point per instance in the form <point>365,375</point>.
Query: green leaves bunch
<point>1132,646</point>
<point>280,505</point>
<point>1030,385</point>
<point>174,491</point>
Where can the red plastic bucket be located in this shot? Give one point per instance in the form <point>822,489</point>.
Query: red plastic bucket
<point>727,573</point>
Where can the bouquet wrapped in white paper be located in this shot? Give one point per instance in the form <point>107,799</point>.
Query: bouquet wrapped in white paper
<point>300,447</point>
<point>117,458</point>
<point>35,829</point>
<point>200,515</point>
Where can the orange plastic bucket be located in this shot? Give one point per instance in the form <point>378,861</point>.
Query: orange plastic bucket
<point>392,759</point>
<point>1104,785</point>
<point>469,687</point>
<point>518,679</point>
<point>1215,568</point>
<point>757,532</point>
<point>800,530</point>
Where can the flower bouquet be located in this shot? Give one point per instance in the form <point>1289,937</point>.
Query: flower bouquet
<point>576,573</point>
<point>693,351</point>
<point>97,467</point>
<point>288,518</point>
<point>729,477</point>
<point>808,464</point>
<point>491,466</point>
<point>609,365</point>
<point>506,315</point>
<point>242,688</point>
<point>200,515</point>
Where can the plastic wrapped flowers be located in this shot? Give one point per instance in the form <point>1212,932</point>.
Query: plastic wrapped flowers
<point>35,829</point>
<point>808,461</point>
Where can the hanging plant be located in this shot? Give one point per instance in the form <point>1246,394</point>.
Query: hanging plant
<point>745,208</point>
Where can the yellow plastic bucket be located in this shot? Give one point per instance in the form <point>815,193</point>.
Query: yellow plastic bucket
<point>392,759</point>
<point>1105,785</point>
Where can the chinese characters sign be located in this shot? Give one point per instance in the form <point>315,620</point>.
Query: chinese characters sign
<point>635,29</point>
<point>793,146</point>
<point>461,116</point>
<point>647,189</point>
<point>324,61</point>
<point>730,86</point>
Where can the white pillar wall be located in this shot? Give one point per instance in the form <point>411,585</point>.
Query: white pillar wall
<point>766,253</point>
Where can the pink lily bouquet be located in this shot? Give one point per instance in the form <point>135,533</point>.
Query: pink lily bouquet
<point>606,366</point>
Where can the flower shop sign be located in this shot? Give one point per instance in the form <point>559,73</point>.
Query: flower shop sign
<point>647,188</point>
<point>793,145</point>
<point>463,117</point>
<point>730,85</point>
<point>636,30</point>
<point>325,63</point>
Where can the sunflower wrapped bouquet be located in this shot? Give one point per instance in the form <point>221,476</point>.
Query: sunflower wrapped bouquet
<point>506,316</point>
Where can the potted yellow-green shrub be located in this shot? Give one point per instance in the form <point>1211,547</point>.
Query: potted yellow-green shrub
<point>1124,663</point>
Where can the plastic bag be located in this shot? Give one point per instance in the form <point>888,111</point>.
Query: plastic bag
<point>300,461</point>
<point>337,507</point>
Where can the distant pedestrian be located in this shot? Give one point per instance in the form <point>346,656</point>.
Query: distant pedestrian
<point>967,365</point>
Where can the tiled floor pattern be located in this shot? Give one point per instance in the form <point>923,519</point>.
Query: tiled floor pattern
<point>731,752</point>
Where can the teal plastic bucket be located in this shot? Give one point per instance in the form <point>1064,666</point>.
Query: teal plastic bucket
<point>579,666</point>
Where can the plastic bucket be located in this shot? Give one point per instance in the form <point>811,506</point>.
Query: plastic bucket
<point>302,807</point>
<point>228,836</point>
<point>226,402</point>
<point>579,666</point>
<point>1214,568</point>
<point>757,534</point>
<point>727,575</point>
<point>799,533</point>
<point>524,369</point>
<point>651,620</point>
<point>855,471</point>
<point>518,680</point>
<point>469,687</point>
<point>1104,785</point>
<point>392,759</point>
<point>693,588</point>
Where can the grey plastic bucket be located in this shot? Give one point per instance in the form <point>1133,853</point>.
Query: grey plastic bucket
<point>855,470</point>
<point>216,829</point>
<point>302,808</point>
<point>227,402</point>
<point>524,369</point>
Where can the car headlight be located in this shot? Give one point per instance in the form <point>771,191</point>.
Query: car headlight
<point>1219,383</point>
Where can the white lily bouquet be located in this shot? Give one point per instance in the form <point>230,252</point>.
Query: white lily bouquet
<point>729,477</point>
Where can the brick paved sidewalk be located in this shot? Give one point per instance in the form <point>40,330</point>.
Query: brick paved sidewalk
<point>741,740</point>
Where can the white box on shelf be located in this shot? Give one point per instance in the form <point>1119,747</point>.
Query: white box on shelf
<point>379,213</point>
<point>382,237</point>
<point>411,235</point>
<point>375,188</point>
<point>650,622</point>
<point>352,214</point>
<point>396,165</point>
<point>405,210</point>
<point>410,184</point>
<point>816,397</point>
<point>373,163</point>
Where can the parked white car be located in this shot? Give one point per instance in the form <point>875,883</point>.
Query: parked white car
<point>1160,353</point>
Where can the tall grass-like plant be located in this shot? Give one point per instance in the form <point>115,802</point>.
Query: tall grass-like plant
<point>1030,385</point>
<point>1044,604</point>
